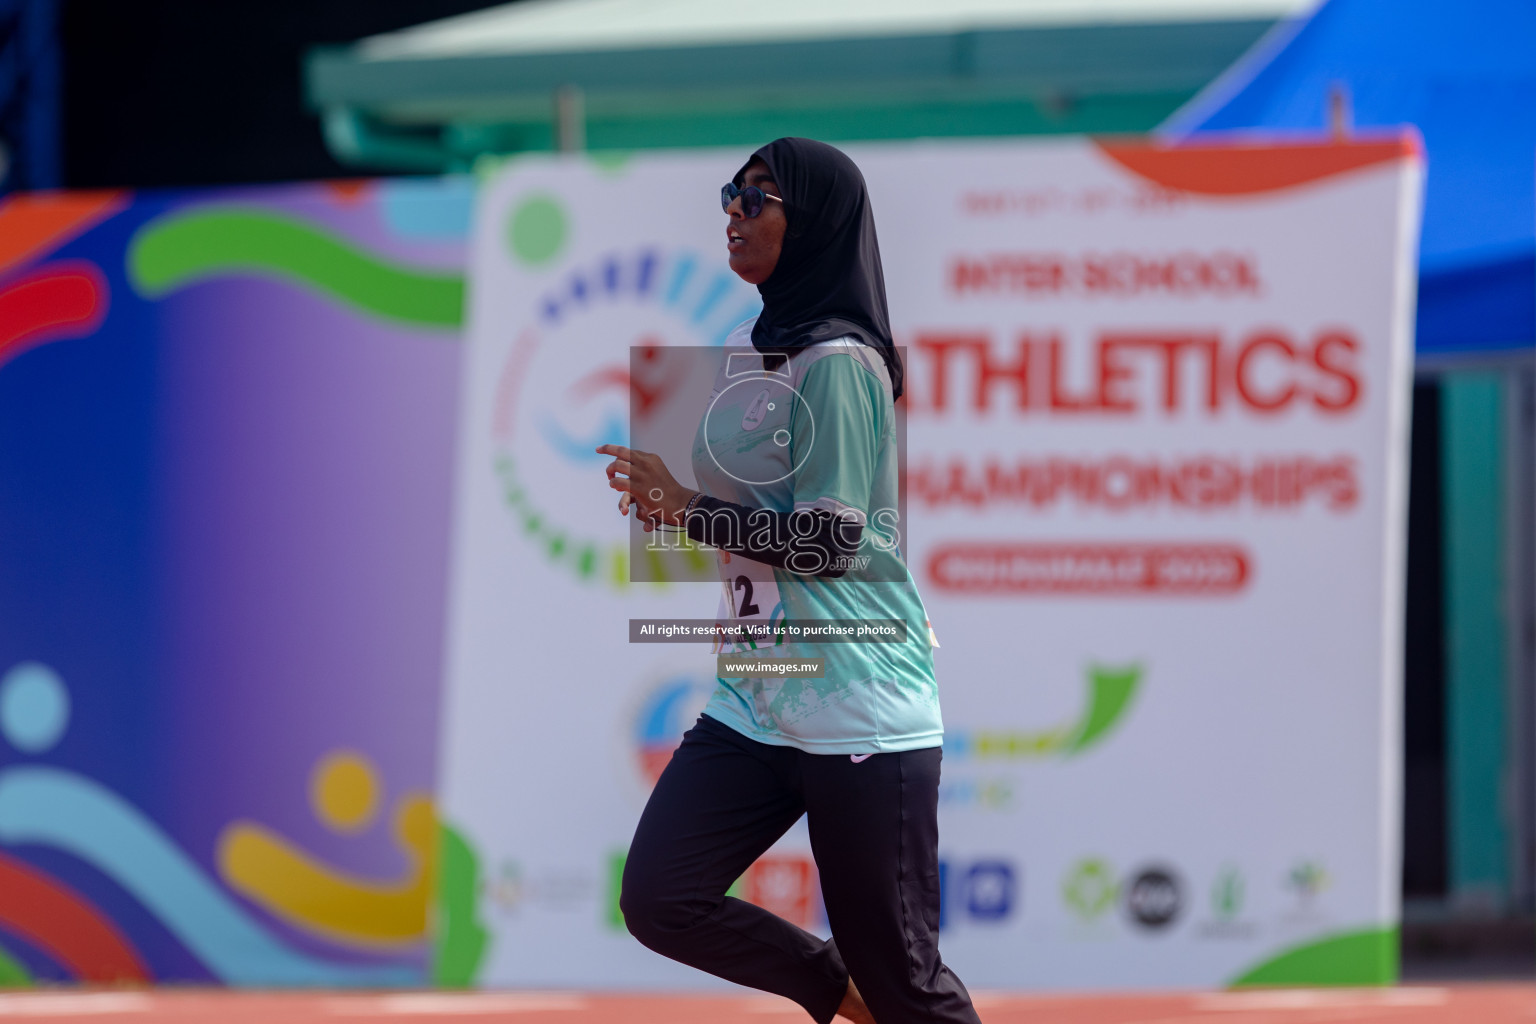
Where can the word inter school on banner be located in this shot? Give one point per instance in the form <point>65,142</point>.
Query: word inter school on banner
<point>802,631</point>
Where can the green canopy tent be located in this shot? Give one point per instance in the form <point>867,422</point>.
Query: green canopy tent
<point>627,74</point>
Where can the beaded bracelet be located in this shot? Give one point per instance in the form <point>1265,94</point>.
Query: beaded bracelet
<point>683,518</point>
<point>681,527</point>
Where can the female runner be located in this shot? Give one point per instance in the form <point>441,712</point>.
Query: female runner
<point>799,498</point>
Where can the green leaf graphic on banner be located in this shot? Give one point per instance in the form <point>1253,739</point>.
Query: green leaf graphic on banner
<point>1110,693</point>
<point>1366,957</point>
<point>461,938</point>
<point>182,249</point>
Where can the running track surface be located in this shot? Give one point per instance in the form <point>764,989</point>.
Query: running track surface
<point>1494,1004</point>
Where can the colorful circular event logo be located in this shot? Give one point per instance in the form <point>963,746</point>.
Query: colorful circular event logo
<point>667,710</point>
<point>568,383</point>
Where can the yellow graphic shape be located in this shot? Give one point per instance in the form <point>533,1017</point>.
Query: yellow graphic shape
<point>344,791</point>
<point>292,885</point>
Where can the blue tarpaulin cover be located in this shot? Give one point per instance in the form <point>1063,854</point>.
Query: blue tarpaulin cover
<point>1465,74</point>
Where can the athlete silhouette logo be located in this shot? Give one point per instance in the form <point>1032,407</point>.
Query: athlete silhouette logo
<point>753,418</point>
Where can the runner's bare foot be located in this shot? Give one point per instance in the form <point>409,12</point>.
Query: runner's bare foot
<point>853,1006</point>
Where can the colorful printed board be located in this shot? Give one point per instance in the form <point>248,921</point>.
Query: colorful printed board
<point>226,432</point>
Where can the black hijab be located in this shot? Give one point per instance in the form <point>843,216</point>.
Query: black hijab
<point>828,282</point>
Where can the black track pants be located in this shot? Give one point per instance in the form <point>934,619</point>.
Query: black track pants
<point>724,799</point>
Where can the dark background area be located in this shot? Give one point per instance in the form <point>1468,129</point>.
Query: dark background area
<point>205,92</point>
<point>1424,809</point>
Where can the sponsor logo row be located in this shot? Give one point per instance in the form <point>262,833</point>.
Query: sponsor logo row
<point>1152,898</point>
<point>985,890</point>
<point>1155,897</point>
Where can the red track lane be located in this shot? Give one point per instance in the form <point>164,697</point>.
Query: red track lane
<point>1501,1004</point>
<point>59,922</point>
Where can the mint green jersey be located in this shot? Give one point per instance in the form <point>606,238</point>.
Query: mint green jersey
<point>818,432</point>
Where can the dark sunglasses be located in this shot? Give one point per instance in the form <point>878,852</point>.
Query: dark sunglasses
<point>752,198</point>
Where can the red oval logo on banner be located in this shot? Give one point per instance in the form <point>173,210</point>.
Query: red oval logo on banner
<point>980,567</point>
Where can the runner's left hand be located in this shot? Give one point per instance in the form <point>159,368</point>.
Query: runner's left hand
<point>647,484</point>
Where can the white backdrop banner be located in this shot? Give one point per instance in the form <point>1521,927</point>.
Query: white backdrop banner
<point>1156,483</point>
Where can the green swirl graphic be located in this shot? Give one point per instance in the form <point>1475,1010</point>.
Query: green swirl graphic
<point>176,251</point>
